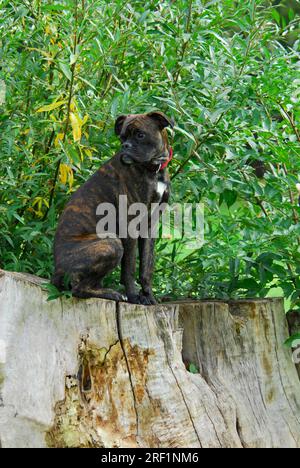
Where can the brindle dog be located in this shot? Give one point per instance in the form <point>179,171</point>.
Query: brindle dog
<point>139,171</point>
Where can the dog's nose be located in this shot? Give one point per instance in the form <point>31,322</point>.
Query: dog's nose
<point>127,145</point>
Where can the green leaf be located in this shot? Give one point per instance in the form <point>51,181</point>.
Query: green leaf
<point>293,341</point>
<point>276,16</point>
<point>53,297</point>
<point>230,197</point>
<point>193,369</point>
<point>291,14</point>
<point>54,7</point>
<point>66,70</point>
<point>185,133</point>
<point>249,284</point>
<point>15,215</point>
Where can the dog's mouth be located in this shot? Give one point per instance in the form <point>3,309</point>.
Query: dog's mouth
<point>160,160</point>
<point>128,158</point>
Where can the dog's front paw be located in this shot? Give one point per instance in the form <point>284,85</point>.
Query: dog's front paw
<point>147,298</point>
<point>142,299</point>
<point>133,298</point>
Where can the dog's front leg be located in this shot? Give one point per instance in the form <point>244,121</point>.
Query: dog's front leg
<point>146,251</point>
<point>128,270</point>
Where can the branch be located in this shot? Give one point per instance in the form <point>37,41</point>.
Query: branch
<point>185,44</point>
<point>73,66</point>
<point>291,121</point>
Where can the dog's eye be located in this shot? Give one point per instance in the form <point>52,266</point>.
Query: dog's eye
<point>140,135</point>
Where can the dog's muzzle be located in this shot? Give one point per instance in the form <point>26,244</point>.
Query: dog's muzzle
<point>126,159</point>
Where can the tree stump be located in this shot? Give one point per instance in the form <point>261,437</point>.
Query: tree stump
<point>90,373</point>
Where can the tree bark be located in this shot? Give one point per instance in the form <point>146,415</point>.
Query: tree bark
<point>90,373</point>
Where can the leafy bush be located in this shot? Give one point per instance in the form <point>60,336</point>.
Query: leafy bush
<point>227,71</point>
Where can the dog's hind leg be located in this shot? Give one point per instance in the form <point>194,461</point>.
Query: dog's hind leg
<point>85,289</point>
<point>87,262</point>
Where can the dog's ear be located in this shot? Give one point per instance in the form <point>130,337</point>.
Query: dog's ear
<point>119,124</point>
<point>162,120</point>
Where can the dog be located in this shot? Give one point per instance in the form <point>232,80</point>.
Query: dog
<point>139,171</point>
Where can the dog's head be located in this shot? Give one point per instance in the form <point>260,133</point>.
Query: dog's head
<point>144,138</point>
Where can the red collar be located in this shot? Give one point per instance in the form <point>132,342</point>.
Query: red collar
<point>165,164</point>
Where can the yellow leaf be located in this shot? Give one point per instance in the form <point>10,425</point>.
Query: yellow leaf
<point>66,175</point>
<point>45,54</point>
<point>52,106</point>
<point>72,106</point>
<point>63,173</point>
<point>85,119</point>
<point>88,152</point>
<point>36,200</point>
<point>76,126</point>
<point>59,137</point>
<point>71,177</point>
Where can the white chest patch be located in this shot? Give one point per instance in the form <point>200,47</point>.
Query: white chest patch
<point>160,189</point>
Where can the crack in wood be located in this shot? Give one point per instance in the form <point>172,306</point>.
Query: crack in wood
<point>118,319</point>
<point>239,432</point>
<point>181,392</point>
<point>186,405</point>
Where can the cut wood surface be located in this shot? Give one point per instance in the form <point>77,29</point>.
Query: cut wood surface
<point>90,373</point>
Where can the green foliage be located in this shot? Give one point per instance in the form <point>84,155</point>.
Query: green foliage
<point>227,74</point>
<point>193,369</point>
<point>54,293</point>
<point>293,340</point>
